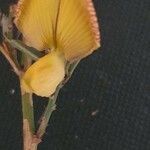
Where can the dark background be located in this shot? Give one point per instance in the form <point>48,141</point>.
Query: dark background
<point>106,104</point>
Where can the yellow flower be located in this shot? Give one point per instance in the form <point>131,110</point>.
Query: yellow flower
<point>67,26</point>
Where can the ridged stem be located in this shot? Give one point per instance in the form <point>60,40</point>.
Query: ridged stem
<point>47,114</point>
<point>29,139</point>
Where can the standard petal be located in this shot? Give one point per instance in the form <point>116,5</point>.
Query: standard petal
<point>44,76</point>
<point>78,31</point>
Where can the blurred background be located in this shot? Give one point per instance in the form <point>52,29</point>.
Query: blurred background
<point>106,104</point>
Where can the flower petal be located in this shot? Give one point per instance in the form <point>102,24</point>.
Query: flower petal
<point>69,25</point>
<point>43,76</point>
<point>78,31</point>
<point>35,19</point>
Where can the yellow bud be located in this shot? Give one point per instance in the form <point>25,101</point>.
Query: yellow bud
<point>43,77</point>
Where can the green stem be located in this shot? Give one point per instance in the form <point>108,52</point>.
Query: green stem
<point>47,114</point>
<point>27,109</point>
<point>28,122</point>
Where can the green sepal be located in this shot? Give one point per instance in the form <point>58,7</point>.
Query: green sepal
<point>30,51</point>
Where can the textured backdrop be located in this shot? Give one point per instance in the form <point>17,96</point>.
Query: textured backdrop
<point>106,104</point>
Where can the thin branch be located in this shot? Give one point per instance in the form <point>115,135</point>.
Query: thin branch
<point>27,109</point>
<point>47,114</point>
<point>52,102</point>
<point>5,52</point>
<point>30,140</point>
<point>30,51</point>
